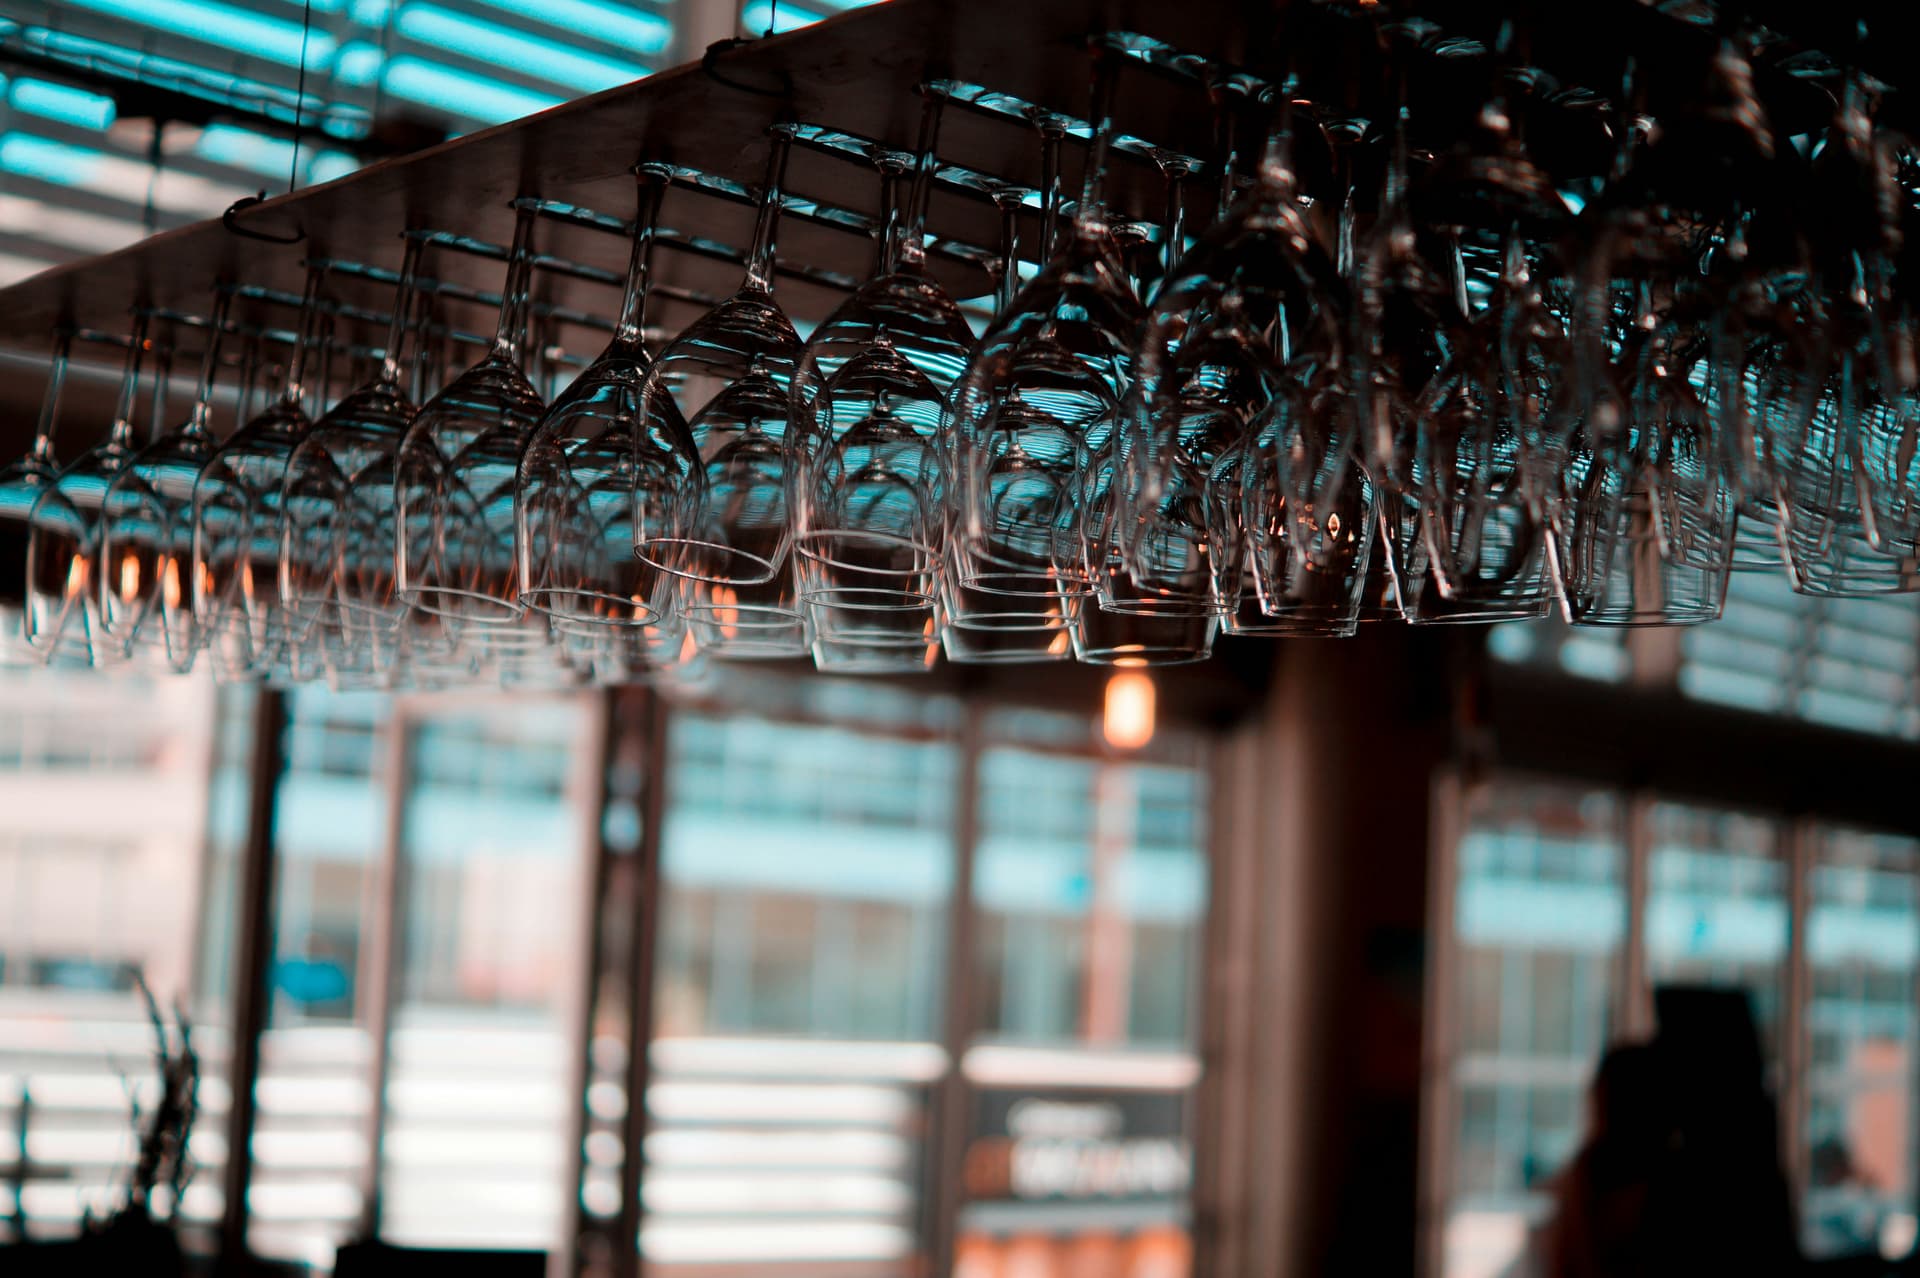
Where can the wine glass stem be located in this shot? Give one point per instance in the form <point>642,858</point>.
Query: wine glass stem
<point>1227,126</point>
<point>652,182</point>
<point>50,406</point>
<point>888,241</point>
<point>1276,163</point>
<point>1051,135</point>
<point>760,258</point>
<point>1176,220</point>
<point>913,246</point>
<point>249,377</point>
<point>1090,213</point>
<point>121,433</point>
<point>295,389</point>
<point>510,335</point>
<point>200,419</point>
<point>162,386</point>
<point>1009,203</point>
<point>390,359</point>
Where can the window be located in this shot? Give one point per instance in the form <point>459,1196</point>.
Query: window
<point>106,801</point>
<point>811,834</point>
<point>314,1092</point>
<point>1090,887</point>
<point>1539,917</point>
<point>492,856</point>
<point>1717,908</point>
<point>1863,948</point>
<point>808,866</point>
<point>1543,913</point>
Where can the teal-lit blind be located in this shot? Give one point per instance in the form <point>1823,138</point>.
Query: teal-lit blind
<point>81,170</point>
<point>1848,663</point>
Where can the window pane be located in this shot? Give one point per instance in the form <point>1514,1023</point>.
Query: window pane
<point>309,1141</point>
<point>1863,952</point>
<point>807,870</point>
<point>104,783</point>
<point>475,1153</point>
<point>1090,883</point>
<point>1717,907</point>
<point>1539,918</point>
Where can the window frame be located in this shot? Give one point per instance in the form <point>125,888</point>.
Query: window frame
<point>1645,743</point>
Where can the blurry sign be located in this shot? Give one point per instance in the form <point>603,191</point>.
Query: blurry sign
<point>1077,1147</point>
<point>307,980</point>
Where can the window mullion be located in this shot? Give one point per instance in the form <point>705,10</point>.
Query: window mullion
<point>1633,1011</point>
<point>642,958</point>
<point>950,1096</point>
<point>253,954</point>
<point>1795,1051</point>
<point>380,961</point>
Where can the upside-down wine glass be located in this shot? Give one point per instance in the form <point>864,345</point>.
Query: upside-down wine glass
<point>1037,404</point>
<point>337,504</point>
<point>21,484</point>
<point>603,472</point>
<point>454,475</point>
<point>742,598</point>
<point>146,540</point>
<point>238,522</point>
<point>62,612</point>
<point>867,449</point>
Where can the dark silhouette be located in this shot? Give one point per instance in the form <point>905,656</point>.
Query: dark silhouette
<point>1680,1173</point>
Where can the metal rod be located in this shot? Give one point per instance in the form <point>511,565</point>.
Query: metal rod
<point>253,954</point>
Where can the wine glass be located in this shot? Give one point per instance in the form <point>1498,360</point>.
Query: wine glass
<point>455,471</point>
<point>21,484</point>
<point>744,599</point>
<point>237,522</point>
<point>866,453</point>
<point>336,500</point>
<point>62,612</point>
<point>600,473</point>
<point>146,539</point>
<point>1259,265</point>
<point>1039,399</point>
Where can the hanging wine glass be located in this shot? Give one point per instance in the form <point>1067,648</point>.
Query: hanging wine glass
<point>21,485</point>
<point>237,522</point>
<point>1030,622</point>
<point>1159,558</point>
<point>62,610</point>
<point>866,450</point>
<point>744,600</point>
<point>1037,403</point>
<point>1318,590</point>
<point>454,475</point>
<point>146,539</point>
<point>1261,261</point>
<point>1848,514</point>
<point>601,473</point>
<point>338,529</point>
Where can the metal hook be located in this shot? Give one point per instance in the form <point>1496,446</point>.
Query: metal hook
<point>246,202</point>
<point>709,63</point>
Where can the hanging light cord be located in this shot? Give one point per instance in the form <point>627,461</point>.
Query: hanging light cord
<point>300,97</point>
<point>293,169</point>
